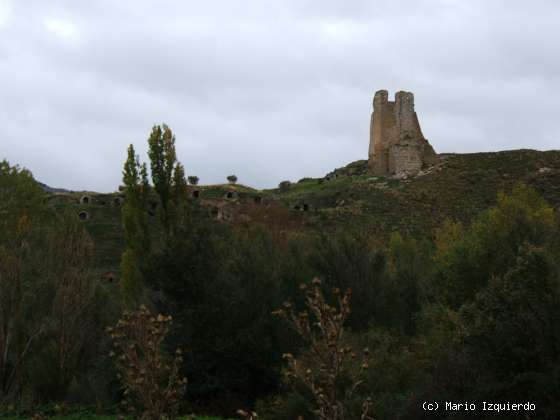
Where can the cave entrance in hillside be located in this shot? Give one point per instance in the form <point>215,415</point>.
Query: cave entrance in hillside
<point>83,215</point>
<point>117,201</point>
<point>230,195</point>
<point>257,200</point>
<point>297,207</point>
<point>85,199</point>
<point>110,277</point>
<point>196,194</point>
<point>306,207</point>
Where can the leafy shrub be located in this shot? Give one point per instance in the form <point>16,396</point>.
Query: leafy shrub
<point>466,259</point>
<point>284,185</point>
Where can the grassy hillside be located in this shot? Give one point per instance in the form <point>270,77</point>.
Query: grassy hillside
<point>458,187</point>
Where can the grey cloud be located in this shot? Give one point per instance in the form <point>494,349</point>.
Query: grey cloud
<point>265,89</point>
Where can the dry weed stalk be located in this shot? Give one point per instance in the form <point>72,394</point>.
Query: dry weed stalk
<point>247,415</point>
<point>152,386</point>
<point>331,377</point>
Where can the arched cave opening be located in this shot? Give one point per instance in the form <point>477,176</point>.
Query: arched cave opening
<point>110,277</point>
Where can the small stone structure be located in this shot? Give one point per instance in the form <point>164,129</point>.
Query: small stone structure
<point>220,213</point>
<point>84,215</point>
<point>222,210</point>
<point>396,143</point>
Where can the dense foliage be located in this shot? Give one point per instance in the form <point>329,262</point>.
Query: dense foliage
<point>468,316</point>
<point>50,305</point>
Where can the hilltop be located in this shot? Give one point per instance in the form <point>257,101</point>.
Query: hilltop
<point>457,187</point>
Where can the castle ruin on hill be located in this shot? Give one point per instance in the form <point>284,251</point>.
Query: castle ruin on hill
<point>396,143</point>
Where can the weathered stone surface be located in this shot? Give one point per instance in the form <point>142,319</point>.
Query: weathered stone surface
<point>397,145</point>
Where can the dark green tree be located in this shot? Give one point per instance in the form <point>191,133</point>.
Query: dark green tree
<point>179,212</point>
<point>351,260</point>
<point>135,226</point>
<point>221,287</point>
<point>511,331</point>
<point>163,159</point>
<point>491,324</point>
<point>285,185</point>
<point>466,259</point>
<point>409,268</point>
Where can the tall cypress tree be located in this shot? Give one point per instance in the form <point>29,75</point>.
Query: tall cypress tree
<point>135,225</point>
<point>179,201</point>
<point>163,159</point>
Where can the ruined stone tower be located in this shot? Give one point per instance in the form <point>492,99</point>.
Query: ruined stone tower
<point>396,143</point>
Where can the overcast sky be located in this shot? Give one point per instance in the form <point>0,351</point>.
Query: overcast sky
<point>267,89</point>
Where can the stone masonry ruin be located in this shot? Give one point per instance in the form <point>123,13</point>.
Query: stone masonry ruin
<point>396,143</point>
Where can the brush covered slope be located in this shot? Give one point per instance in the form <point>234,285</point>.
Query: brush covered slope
<point>458,187</point>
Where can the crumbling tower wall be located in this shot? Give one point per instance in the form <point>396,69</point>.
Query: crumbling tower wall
<point>397,144</point>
